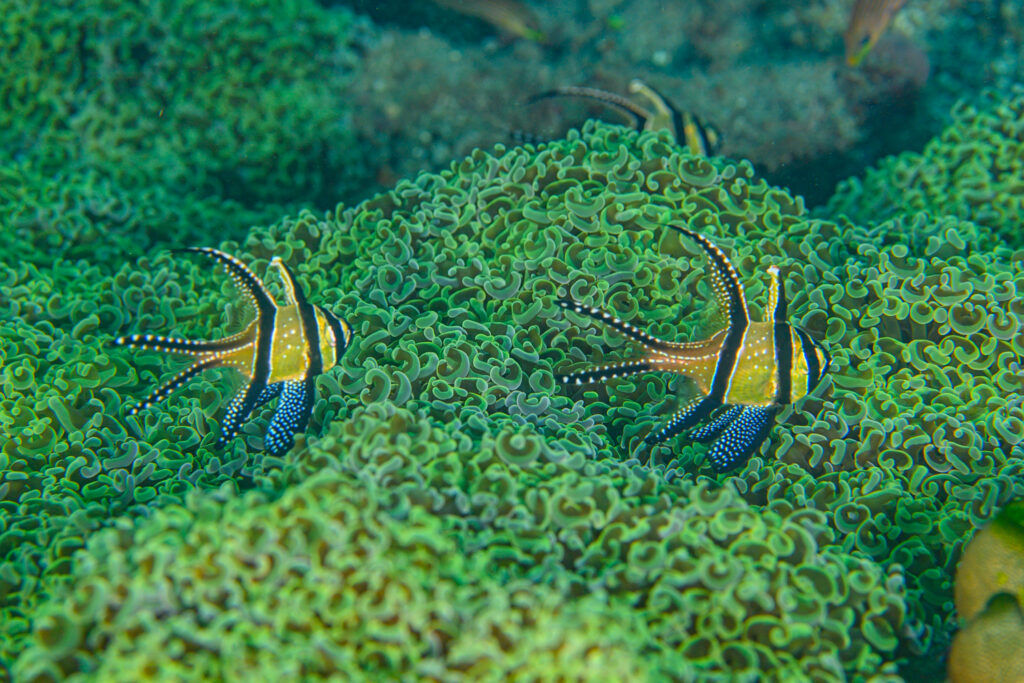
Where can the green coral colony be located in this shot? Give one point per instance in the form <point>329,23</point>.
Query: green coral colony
<point>462,515</point>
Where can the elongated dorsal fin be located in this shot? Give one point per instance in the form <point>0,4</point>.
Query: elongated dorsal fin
<point>631,109</point>
<point>243,277</point>
<point>661,103</point>
<point>777,303</point>
<point>725,282</point>
<point>293,293</point>
<point>664,115</point>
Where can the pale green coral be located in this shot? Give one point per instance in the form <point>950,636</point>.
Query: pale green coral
<point>326,581</point>
<point>86,211</point>
<point>362,568</point>
<point>448,281</point>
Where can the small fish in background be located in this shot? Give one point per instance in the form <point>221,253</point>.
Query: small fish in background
<point>510,17</point>
<point>892,76</point>
<point>868,22</point>
<point>687,129</point>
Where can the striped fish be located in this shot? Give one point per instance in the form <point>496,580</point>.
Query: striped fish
<point>745,372</point>
<point>868,22</point>
<point>685,127</point>
<point>280,353</point>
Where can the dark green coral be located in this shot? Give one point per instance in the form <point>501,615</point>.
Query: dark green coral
<point>973,171</point>
<point>148,123</point>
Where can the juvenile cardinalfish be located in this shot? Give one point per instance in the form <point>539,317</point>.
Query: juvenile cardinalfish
<point>280,353</point>
<point>685,127</point>
<point>745,372</point>
<point>868,22</point>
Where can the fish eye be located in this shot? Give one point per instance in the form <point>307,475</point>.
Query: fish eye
<point>864,41</point>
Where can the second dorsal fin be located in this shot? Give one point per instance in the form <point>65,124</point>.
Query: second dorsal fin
<point>725,281</point>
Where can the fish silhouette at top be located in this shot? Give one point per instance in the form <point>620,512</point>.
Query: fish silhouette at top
<point>868,21</point>
<point>280,353</point>
<point>686,128</point>
<point>511,17</point>
<point>745,372</point>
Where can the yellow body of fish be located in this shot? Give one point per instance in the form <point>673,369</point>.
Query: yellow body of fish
<point>868,22</point>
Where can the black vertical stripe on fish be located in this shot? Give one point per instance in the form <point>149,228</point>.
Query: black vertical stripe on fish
<point>811,358</point>
<point>738,319</point>
<point>783,343</point>
<point>340,340</point>
<point>264,348</point>
<point>725,366</point>
<point>783,363</point>
<point>243,404</point>
<point>781,310</point>
<point>264,302</point>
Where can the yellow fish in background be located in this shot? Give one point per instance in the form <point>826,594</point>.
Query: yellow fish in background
<point>868,22</point>
<point>511,17</point>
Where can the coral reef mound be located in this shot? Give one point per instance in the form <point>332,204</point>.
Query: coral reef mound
<point>828,556</point>
<point>973,171</point>
<point>322,582</point>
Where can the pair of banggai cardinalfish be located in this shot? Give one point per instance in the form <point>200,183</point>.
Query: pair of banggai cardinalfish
<point>745,372</point>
